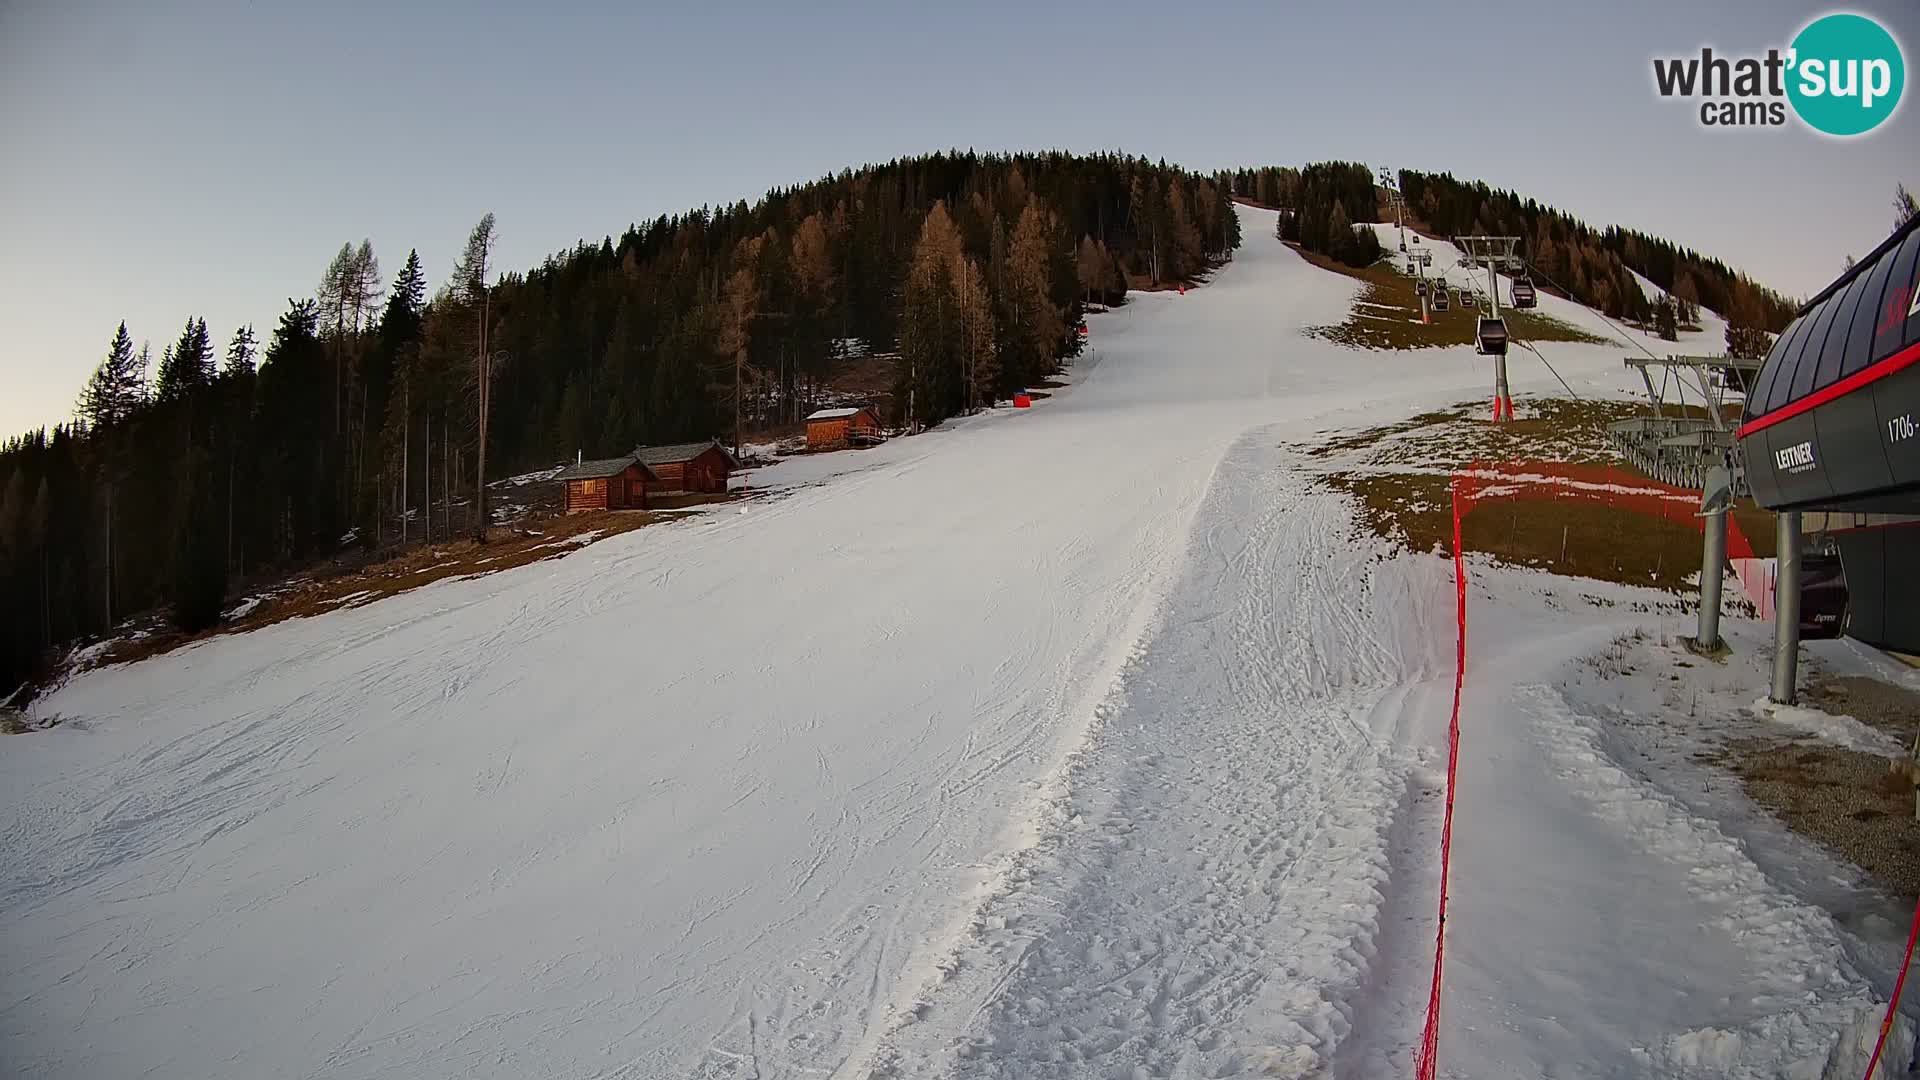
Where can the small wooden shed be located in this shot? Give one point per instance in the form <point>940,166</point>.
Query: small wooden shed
<point>608,484</point>
<point>834,429</point>
<point>701,467</point>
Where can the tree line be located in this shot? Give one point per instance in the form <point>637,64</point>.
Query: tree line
<point>1592,265</point>
<point>1320,206</point>
<point>1321,203</point>
<point>373,410</point>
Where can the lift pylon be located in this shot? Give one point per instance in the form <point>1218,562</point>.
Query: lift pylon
<point>1494,251</point>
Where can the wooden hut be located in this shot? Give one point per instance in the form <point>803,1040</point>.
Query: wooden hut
<point>701,467</point>
<point>835,429</point>
<point>608,484</point>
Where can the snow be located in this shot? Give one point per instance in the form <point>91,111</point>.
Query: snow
<point>1129,768</point>
<point>1842,731</point>
<point>538,476</point>
<point>832,414</point>
<point>244,608</point>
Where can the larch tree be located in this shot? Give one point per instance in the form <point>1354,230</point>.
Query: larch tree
<point>739,305</point>
<point>1090,266</point>
<point>1905,206</point>
<point>811,268</point>
<point>1184,236</point>
<point>1030,280</point>
<point>929,377</point>
<point>979,347</point>
<point>470,286</point>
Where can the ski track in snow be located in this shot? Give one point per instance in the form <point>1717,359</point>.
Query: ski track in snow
<point>1213,903</point>
<point>1087,740</point>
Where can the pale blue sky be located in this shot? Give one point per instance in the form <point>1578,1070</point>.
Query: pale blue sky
<point>206,157</point>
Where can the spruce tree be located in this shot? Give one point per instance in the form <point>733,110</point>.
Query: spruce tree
<point>113,390</point>
<point>187,365</point>
<point>240,352</point>
<point>200,581</point>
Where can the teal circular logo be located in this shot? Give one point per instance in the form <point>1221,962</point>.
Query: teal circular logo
<point>1845,74</point>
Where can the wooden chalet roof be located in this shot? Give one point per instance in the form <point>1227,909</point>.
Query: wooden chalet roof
<point>678,452</point>
<point>594,470</point>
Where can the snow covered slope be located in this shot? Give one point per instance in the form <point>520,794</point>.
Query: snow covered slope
<point>1080,740</point>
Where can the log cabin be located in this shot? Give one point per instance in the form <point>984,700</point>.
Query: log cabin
<point>700,467</point>
<point>836,429</point>
<point>608,484</point>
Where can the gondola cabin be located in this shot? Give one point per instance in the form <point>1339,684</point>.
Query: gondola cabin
<point>836,429</point>
<point>1490,337</point>
<point>689,468</point>
<point>607,484</point>
<point>1523,294</point>
<point>1440,298</point>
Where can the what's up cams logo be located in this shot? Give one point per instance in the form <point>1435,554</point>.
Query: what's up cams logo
<point>1842,75</point>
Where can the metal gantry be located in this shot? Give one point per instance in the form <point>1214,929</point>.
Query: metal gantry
<point>1677,446</point>
<point>1695,449</point>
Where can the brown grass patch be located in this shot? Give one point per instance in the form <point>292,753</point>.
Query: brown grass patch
<point>505,549</point>
<point>1574,537</point>
<point>1844,799</point>
<point>1401,475</point>
<point>1884,705</point>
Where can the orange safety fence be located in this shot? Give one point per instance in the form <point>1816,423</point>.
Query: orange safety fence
<point>1619,489</point>
<point>1610,485</point>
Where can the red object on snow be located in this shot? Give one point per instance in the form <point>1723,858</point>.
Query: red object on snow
<point>1022,401</point>
<point>1183,290</point>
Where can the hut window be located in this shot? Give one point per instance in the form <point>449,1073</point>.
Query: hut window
<point>593,487</point>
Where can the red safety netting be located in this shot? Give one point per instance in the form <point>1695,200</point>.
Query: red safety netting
<point>1886,1022</point>
<point>1612,486</point>
<point>1427,1059</point>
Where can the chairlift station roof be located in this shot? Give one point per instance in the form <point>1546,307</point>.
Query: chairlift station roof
<point>1832,415</point>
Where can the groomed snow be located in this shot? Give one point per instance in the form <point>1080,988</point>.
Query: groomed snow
<point>1085,740</point>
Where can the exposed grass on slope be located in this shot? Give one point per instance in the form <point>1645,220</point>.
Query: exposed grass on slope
<point>1386,315</point>
<point>1401,476</point>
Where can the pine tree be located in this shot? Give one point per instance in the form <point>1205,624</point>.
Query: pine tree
<point>1905,206</point>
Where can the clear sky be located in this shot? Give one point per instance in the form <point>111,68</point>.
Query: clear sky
<point>160,160</point>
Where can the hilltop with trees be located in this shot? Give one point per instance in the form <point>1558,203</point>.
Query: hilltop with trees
<point>376,407</point>
<point>1322,202</point>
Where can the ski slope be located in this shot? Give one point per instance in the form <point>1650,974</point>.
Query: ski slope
<point>1086,740</point>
